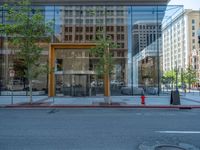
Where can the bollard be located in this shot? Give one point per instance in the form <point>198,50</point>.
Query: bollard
<point>143,100</point>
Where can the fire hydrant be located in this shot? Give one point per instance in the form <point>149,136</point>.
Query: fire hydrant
<point>143,100</point>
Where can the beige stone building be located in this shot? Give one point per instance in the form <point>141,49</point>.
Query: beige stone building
<point>180,42</point>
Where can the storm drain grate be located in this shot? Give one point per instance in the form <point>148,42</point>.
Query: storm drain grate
<point>168,147</point>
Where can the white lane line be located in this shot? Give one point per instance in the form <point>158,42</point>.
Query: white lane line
<point>180,132</point>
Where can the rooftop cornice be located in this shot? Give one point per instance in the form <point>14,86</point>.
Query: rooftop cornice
<point>96,2</point>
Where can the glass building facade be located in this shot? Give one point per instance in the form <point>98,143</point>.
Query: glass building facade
<point>137,30</point>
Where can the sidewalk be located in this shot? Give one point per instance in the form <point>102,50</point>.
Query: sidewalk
<point>188,100</point>
<point>192,96</point>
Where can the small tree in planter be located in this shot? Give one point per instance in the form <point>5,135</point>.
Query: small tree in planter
<point>105,63</point>
<point>26,28</point>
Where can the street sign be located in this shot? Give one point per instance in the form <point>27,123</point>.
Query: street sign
<point>11,73</point>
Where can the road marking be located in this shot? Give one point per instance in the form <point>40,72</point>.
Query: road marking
<point>180,132</point>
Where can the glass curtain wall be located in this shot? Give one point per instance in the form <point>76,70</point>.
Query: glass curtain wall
<point>137,30</point>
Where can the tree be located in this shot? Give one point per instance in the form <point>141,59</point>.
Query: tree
<point>20,68</point>
<point>105,64</point>
<point>26,28</point>
<point>169,77</point>
<point>189,76</point>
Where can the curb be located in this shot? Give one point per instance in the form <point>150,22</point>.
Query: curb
<point>103,106</point>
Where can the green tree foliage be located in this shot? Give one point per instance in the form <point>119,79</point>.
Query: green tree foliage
<point>189,76</point>
<point>169,77</point>
<point>25,27</point>
<point>102,51</point>
<point>105,63</point>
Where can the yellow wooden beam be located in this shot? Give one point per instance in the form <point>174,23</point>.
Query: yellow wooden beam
<point>52,49</point>
<point>106,85</point>
<point>51,73</point>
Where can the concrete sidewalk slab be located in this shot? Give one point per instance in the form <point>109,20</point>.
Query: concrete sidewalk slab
<point>91,102</point>
<point>6,100</point>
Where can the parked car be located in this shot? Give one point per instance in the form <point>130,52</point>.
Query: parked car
<point>128,90</point>
<point>96,84</point>
<point>116,83</point>
<point>93,84</point>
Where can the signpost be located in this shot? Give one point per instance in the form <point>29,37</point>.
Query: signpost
<point>12,75</point>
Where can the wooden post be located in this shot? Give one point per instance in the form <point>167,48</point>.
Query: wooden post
<point>106,75</point>
<point>106,85</point>
<point>51,73</point>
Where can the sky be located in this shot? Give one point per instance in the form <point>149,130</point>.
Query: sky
<point>188,4</point>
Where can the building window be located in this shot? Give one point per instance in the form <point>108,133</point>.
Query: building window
<point>120,45</point>
<point>120,21</point>
<point>89,21</point>
<point>120,13</point>
<point>193,27</point>
<point>100,13</point>
<point>79,13</point>
<point>120,37</point>
<point>90,12</point>
<point>193,34</point>
<point>120,29</point>
<point>79,29</point>
<point>135,27</point>
<point>99,36</point>
<point>109,28</point>
<point>89,37</point>
<point>78,37</point>
<point>110,21</point>
<point>118,54</point>
<point>68,29</point>
<point>68,37</point>
<point>79,21</point>
<point>110,13</point>
<point>99,29</point>
<point>193,21</point>
<point>59,64</point>
<point>68,21</point>
<point>99,21</point>
<point>111,36</point>
<point>68,13</point>
<point>193,41</point>
<point>89,29</point>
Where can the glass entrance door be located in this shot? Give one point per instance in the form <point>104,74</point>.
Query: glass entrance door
<point>72,85</point>
<point>80,85</point>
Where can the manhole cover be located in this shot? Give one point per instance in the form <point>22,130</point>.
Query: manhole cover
<point>168,147</point>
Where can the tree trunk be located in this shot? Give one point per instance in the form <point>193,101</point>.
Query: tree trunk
<point>189,86</point>
<point>30,91</point>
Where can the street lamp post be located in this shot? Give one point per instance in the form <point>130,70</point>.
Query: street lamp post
<point>176,77</point>
<point>199,40</point>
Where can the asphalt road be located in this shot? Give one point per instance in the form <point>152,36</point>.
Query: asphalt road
<point>97,129</point>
